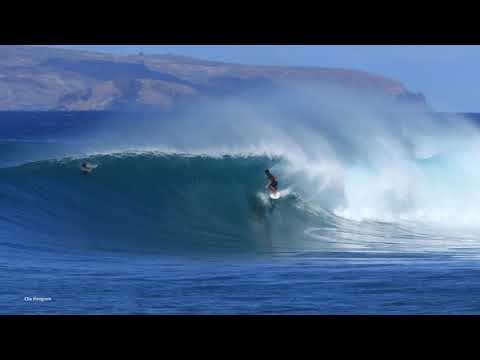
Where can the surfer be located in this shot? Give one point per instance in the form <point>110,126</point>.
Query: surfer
<point>87,168</point>
<point>272,184</point>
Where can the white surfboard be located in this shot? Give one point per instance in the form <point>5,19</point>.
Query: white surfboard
<point>275,196</point>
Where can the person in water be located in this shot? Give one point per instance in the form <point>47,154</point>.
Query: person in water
<point>86,168</point>
<point>272,184</point>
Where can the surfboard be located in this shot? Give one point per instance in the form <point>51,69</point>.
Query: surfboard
<point>275,196</point>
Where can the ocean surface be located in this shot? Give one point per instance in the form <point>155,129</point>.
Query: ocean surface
<point>378,215</point>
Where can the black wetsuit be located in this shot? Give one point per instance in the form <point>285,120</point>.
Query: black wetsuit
<point>274,183</point>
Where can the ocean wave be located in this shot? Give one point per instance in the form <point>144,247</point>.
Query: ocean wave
<point>152,200</point>
<point>193,179</point>
<point>155,201</point>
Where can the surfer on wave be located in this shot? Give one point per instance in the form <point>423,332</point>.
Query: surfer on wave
<point>272,184</point>
<point>87,168</point>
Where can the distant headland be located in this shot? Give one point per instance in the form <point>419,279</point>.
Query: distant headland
<point>34,78</point>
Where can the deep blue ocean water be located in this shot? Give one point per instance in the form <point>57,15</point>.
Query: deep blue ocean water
<point>156,231</point>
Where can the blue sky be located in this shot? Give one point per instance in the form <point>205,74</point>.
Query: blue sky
<point>447,75</point>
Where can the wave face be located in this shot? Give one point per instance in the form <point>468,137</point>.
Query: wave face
<point>151,201</point>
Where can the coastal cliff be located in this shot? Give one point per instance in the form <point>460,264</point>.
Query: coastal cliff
<point>50,79</point>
